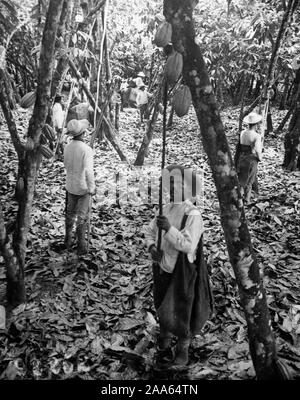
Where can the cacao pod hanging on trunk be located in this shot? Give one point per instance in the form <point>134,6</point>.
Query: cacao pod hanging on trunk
<point>173,67</point>
<point>43,139</point>
<point>163,34</point>
<point>45,151</point>
<point>28,99</point>
<point>49,133</point>
<point>182,100</point>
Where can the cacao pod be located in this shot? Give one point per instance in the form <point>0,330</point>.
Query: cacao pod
<point>45,151</point>
<point>43,139</point>
<point>49,133</point>
<point>182,100</point>
<point>163,34</point>
<point>19,188</point>
<point>28,99</point>
<point>173,67</point>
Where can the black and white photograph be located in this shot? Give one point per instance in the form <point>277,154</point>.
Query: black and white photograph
<point>149,195</point>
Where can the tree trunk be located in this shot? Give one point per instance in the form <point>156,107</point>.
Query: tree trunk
<point>257,88</point>
<point>292,137</point>
<point>143,150</point>
<point>251,86</point>
<point>16,251</point>
<point>110,129</point>
<point>170,120</point>
<point>284,121</point>
<point>284,96</point>
<point>292,143</point>
<point>273,61</point>
<point>253,298</point>
<point>117,116</point>
<point>65,30</point>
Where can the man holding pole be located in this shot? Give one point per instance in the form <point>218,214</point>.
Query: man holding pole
<point>80,183</point>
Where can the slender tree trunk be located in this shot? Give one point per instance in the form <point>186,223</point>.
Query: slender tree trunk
<point>273,61</point>
<point>284,96</point>
<point>16,250</point>
<point>143,150</point>
<point>242,257</point>
<point>292,137</point>
<point>117,116</point>
<point>170,120</point>
<point>289,99</point>
<point>257,88</point>
<point>64,31</point>
<point>284,121</point>
<point>109,128</point>
<point>251,85</point>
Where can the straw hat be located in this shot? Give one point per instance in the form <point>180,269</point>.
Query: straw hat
<point>252,118</point>
<point>76,127</point>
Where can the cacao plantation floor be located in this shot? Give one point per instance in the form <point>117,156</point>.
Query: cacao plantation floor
<point>93,317</point>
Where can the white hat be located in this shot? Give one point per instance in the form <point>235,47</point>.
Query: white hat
<point>252,118</point>
<point>141,74</point>
<point>76,127</point>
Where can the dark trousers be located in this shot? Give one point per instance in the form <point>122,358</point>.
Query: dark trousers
<point>77,206</point>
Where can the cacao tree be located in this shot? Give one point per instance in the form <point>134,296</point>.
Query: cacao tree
<point>292,138</point>
<point>242,257</point>
<point>13,244</point>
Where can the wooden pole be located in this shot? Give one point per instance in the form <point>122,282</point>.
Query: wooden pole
<point>163,158</point>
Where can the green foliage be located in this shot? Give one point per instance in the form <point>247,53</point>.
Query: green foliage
<point>132,27</point>
<point>237,38</point>
<point>8,18</point>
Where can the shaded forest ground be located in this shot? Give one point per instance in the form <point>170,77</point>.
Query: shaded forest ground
<point>93,317</point>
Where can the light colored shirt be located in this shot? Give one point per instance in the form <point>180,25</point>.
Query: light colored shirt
<point>251,138</point>
<point>142,97</point>
<point>79,163</point>
<point>138,81</point>
<point>58,116</point>
<point>176,240</point>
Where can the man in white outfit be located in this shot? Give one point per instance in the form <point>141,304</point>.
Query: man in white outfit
<point>80,183</point>
<point>58,120</point>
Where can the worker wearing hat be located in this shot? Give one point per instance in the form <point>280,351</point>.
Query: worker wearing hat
<point>181,289</point>
<point>58,121</point>
<point>250,153</point>
<point>139,80</point>
<point>80,182</point>
<point>142,100</point>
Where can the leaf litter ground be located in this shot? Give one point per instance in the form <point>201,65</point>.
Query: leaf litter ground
<point>93,317</point>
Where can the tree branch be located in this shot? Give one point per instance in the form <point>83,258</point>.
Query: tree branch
<point>9,115</point>
<point>45,69</point>
<point>6,248</point>
<point>110,130</point>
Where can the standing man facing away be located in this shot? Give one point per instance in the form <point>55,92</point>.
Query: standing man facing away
<point>58,121</point>
<point>80,183</point>
<point>142,101</point>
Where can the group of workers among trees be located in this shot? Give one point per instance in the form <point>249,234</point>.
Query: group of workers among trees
<point>181,288</point>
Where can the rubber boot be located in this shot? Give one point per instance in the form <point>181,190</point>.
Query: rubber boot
<point>182,353</point>
<point>164,354</point>
<point>82,245</point>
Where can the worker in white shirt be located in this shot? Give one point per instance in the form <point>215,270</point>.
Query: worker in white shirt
<point>249,154</point>
<point>142,101</point>
<point>139,80</point>
<point>80,183</point>
<point>58,120</point>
